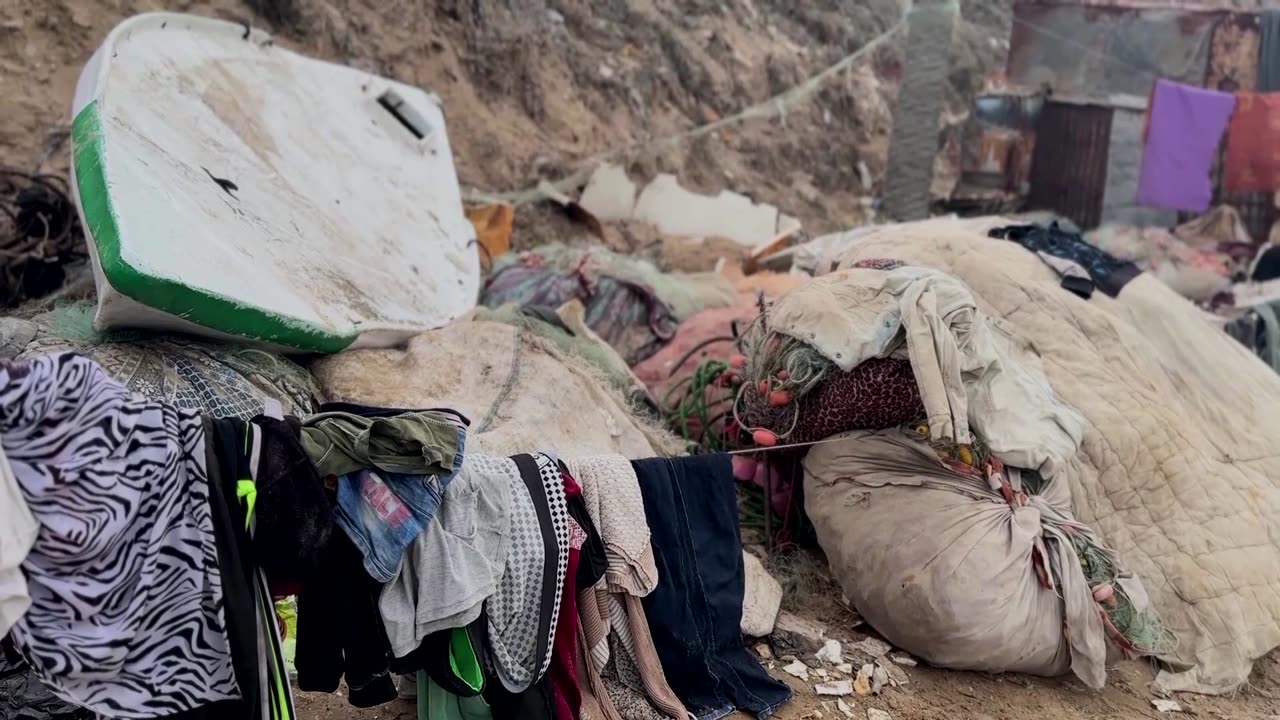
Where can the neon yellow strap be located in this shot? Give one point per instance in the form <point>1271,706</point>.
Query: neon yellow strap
<point>247,494</point>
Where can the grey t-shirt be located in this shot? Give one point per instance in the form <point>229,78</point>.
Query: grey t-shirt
<point>455,565</point>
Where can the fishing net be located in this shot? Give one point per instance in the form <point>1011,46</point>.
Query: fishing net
<point>545,324</point>
<point>40,233</point>
<point>685,293</point>
<point>1141,630</point>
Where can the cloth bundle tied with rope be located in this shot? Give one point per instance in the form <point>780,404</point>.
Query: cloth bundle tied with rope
<point>935,555</point>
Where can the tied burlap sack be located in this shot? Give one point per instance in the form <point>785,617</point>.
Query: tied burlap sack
<point>520,393</point>
<point>943,566</point>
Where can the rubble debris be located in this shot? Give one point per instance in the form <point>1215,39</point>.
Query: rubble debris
<point>896,675</point>
<point>830,653</point>
<point>879,678</point>
<point>837,688</point>
<point>873,647</point>
<point>797,669</point>
<point>762,649</point>
<point>844,708</point>
<point>1166,706</point>
<point>797,636</point>
<point>573,210</point>
<point>15,335</point>
<point>762,599</point>
<point>874,714</point>
<point>846,668</point>
<point>902,658</point>
<point>611,196</point>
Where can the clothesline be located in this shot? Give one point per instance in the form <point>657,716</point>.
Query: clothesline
<point>788,446</point>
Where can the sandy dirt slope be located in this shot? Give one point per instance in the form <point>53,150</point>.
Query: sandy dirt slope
<point>540,88</point>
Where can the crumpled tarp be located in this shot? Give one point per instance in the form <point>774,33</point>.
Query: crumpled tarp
<point>24,697</point>
<point>634,306</point>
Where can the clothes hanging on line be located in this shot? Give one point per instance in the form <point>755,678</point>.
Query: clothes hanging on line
<point>610,612</point>
<point>18,529</point>
<point>508,573</point>
<point>1252,162</point>
<point>696,611</point>
<point>393,470</point>
<point>454,566</point>
<point>521,638</point>
<point>126,592</point>
<point>1269,53</point>
<point>1185,125</point>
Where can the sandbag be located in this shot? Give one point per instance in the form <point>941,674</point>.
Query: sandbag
<point>1177,469</point>
<point>944,567</point>
<point>520,393</point>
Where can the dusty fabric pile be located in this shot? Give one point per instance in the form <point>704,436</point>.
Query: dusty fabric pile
<point>1173,471</point>
<point>629,302</point>
<point>939,562</point>
<point>981,414</point>
<point>1198,258</point>
<point>566,328</point>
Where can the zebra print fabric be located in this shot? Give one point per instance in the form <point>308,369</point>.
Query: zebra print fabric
<point>126,616</point>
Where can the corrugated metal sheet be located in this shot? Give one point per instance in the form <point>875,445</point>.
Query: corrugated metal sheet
<point>1069,165</point>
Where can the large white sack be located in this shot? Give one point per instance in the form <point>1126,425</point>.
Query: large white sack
<point>942,566</point>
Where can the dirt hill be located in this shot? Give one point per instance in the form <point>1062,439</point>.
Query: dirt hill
<point>539,89</point>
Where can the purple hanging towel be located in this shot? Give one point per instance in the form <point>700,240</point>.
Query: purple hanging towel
<point>1184,129</point>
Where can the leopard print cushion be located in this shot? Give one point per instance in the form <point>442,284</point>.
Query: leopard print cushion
<point>877,394</point>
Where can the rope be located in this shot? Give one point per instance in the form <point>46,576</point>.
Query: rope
<point>510,382</point>
<point>776,105</point>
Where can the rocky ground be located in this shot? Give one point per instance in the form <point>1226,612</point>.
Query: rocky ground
<point>542,89</point>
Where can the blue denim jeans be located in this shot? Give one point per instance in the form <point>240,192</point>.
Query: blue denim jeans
<point>695,613</point>
<point>383,512</point>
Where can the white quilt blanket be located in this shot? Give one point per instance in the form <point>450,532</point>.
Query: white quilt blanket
<point>1180,466</point>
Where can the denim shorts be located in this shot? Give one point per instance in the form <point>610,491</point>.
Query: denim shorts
<point>383,512</point>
